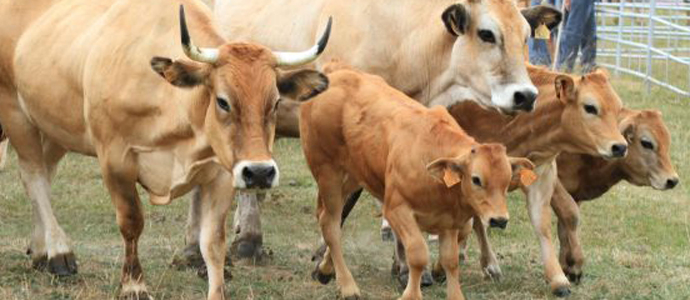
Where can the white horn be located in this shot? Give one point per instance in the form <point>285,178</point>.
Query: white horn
<point>205,55</point>
<point>286,59</point>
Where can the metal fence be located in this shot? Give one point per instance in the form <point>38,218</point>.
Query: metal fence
<point>647,39</point>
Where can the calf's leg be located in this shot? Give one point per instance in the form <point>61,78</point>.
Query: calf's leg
<point>488,260</point>
<point>3,153</point>
<point>248,241</point>
<point>329,211</point>
<point>539,202</point>
<point>568,212</point>
<point>448,250</point>
<point>406,229</point>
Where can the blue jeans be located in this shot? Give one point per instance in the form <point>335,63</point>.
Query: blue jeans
<point>539,49</point>
<point>579,34</point>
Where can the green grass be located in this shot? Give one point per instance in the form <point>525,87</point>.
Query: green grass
<point>636,240</point>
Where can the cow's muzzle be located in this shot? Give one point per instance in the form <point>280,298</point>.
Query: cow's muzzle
<point>256,174</point>
<point>498,223</point>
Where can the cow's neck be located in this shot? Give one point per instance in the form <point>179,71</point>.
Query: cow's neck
<point>538,135</point>
<point>598,176</point>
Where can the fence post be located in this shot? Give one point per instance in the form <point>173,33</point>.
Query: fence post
<point>650,44</point>
<point>621,4</point>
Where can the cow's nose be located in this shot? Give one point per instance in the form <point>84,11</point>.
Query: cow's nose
<point>618,150</point>
<point>498,223</point>
<point>671,183</point>
<point>260,176</point>
<point>524,100</point>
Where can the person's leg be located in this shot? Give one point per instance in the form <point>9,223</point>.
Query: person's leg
<point>589,41</point>
<point>573,33</point>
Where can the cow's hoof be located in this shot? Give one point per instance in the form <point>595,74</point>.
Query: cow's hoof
<point>387,234</point>
<point>493,272</point>
<point>439,275</point>
<point>403,278</point>
<point>202,272</point>
<point>427,279</point>
<point>141,295</point>
<point>59,265</point>
<point>562,292</point>
<point>574,276</point>
<point>189,258</point>
<point>320,277</point>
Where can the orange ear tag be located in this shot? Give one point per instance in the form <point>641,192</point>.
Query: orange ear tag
<point>527,177</point>
<point>450,178</point>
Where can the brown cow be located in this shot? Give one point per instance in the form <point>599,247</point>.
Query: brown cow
<point>585,177</point>
<point>417,161</point>
<point>206,121</point>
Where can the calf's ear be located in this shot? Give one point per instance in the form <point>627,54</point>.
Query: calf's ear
<point>542,14</point>
<point>627,127</point>
<point>523,174</point>
<point>448,170</point>
<point>457,19</point>
<point>565,88</point>
<point>301,85</point>
<point>180,73</point>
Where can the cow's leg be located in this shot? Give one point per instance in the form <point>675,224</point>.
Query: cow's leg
<point>120,175</point>
<point>329,211</point>
<point>401,270</point>
<point>216,201</point>
<point>49,244</point>
<point>568,213</point>
<point>488,260</point>
<point>248,239</point>
<point>406,229</point>
<point>539,203</point>
<point>438,271</point>
<point>448,251</point>
<point>3,153</point>
<point>386,231</point>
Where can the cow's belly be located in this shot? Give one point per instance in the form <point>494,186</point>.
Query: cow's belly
<point>438,221</point>
<point>166,177</point>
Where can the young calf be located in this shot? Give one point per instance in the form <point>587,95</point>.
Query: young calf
<point>429,174</point>
<point>584,177</point>
<point>579,115</point>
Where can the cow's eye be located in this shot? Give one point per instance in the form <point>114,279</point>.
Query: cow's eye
<point>647,144</point>
<point>591,109</point>
<point>487,36</point>
<point>476,181</point>
<point>223,104</point>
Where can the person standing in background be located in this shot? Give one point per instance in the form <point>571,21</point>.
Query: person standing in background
<point>542,43</point>
<point>579,34</point>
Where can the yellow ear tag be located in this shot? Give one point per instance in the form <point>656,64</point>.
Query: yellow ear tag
<point>542,32</point>
<point>450,178</point>
<point>527,177</point>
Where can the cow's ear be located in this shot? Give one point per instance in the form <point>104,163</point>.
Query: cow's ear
<point>301,85</point>
<point>457,19</point>
<point>627,126</point>
<point>565,88</point>
<point>542,14</point>
<point>180,73</point>
<point>449,171</point>
<point>523,171</point>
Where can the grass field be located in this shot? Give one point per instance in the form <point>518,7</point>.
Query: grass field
<point>636,240</point>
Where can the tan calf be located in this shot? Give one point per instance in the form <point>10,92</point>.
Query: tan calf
<point>584,177</point>
<point>133,90</point>
<point>429,175</point>
<point>578,115</point>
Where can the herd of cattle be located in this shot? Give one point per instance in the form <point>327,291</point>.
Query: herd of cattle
<point>427,105</point>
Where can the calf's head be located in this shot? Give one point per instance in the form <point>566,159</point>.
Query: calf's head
<point>481,179</point>
<point>590,115</point>
<point>241,87</point>
<point>648,161</point>
<point>487,56</point>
